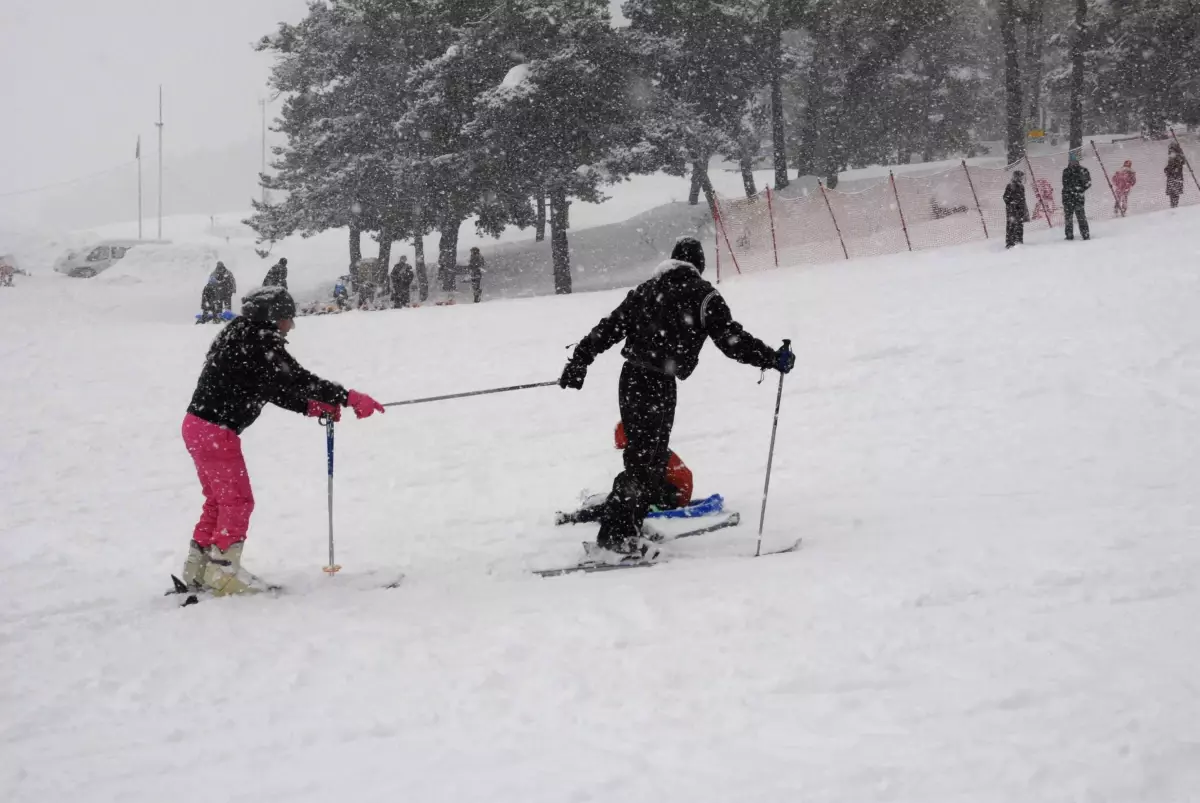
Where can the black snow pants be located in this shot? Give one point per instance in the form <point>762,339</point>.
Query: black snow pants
<point>647,400</point>
<point>1072,211</point>
<point>1014,231</point>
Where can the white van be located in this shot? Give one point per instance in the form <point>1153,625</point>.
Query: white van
<point>98,257</point>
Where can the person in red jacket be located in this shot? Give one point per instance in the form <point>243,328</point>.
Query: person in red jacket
<point>1123,181</point>
<point>247,367</point>
<point>676,491</point>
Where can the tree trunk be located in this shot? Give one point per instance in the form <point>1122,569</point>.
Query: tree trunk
<point>1014,133</point>
<point>701,180</point>
<point>541,216</point>
<point>385,250</point>
<point>747,164</point>
<point>694,191</point>
<point>448,254</point>
<point>778,132</point>
<point>355,242</point>
<point>422,273</point>
<point>559,247</point>
<point>1078,41</point>
<point>1035,39</point>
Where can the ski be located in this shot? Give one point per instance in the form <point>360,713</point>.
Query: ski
<point>658,536</point>
<point>192,596</point>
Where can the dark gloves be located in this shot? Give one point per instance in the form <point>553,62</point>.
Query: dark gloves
<point>785,359</point>
<point>573,375</point>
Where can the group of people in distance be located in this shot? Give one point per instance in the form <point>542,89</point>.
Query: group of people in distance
<point>664,322</point>
<point>1076,181</point>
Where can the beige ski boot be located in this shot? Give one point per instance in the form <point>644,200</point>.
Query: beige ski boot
<point>194,566</point>
<point>225,576</point>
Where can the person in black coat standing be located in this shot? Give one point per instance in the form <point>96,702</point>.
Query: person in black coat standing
<point>1174,172</point>
<point>475,265</point>
<point>402,279</point>
<point>1076,181</point>
<point>277,275</point>
<point>1016,210</point>
<point>225,286</point>
<point>664,322</point>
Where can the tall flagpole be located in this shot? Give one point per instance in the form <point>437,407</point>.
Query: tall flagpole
<point>139,161</point>
<point>160,159</point>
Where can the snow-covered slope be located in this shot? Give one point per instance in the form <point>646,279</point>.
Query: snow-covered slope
<point>990,456</point>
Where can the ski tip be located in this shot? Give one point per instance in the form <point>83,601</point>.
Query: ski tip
<point>178,586</point>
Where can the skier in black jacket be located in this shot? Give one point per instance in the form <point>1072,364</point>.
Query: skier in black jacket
<point>1076,181</point>
<point>277,275</point>
<point>664,322</point>
<point>1016,210</point>
<point>247,366</point>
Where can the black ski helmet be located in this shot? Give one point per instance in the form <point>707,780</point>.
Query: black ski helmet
<point>268,304</point>
<point>689,249</point>
<point>283,261</point>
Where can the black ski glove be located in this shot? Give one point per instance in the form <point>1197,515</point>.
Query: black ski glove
<point>573,375</point>
<point>785,358</point>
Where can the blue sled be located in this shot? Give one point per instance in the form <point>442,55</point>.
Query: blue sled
<point>704,507</point>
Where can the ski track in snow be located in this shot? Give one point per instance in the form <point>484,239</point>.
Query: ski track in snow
<point>990,456</point>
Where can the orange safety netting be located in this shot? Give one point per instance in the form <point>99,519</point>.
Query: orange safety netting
<point>958,205</point>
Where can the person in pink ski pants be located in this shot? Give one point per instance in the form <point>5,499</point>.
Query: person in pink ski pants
<point>1123,181</point>
<point>246,368</point>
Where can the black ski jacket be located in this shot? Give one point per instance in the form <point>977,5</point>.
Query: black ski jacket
<point>1015,207</point>
<point>664,322</point>
<point>276,276</point>
<point>224,283</point>
<point>248,366</point>
<point>1076,181</point>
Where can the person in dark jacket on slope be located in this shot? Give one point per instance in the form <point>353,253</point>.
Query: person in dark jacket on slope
<point>1174,172</point>
<point>402,279</point>
<point>277,275</point>
<point>664,322</point>
<point>1076,181</point>
<point>1016,210</point>
<point>247,367</point>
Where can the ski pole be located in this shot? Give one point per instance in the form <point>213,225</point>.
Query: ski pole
<point>471,393</point>
<point>787,347</point>
<point>332,568</point>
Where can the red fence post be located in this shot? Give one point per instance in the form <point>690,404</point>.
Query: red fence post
<point>1038,193</point>
<point>1186,160</point>
<point>975,195</point>
<point>900,209</point>
<point>720,221</point>
<point>838,228</point>
<point>1103,169</point>
<point>771,213</point>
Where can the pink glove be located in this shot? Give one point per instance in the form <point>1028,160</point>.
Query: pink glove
<point>363,404</point>
<point>319,409</point>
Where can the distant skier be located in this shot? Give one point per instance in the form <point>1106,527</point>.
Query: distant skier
<point>277,276</point>
<point>1174,172</point>
<point>247,366</point>
<point>664,322</point>
<point>1076,181</point>
<point>675,491</point>
<point>476,265</point>
<point>402,279</point>
<point>1124,180</point>
<point>1016,210</point>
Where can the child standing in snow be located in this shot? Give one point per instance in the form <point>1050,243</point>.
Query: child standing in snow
<point>1174,172</point>
<point>247,366</point>
<point>1124,181</point>
<point>1016,211</point>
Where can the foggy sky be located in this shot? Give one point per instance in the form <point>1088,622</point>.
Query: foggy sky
<point>79,80</point>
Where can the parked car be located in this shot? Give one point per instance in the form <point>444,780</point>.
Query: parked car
<point>98,257</point>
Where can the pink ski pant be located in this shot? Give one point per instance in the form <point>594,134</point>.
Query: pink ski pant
<point>228,500</point>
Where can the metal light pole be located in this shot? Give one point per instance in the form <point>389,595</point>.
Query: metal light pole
<point>160,159</point>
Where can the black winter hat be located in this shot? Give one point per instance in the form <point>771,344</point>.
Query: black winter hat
<point>268,304</point>
<point>688,249</point>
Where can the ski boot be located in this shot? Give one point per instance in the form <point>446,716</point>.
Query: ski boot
<point>225,576</point>
<point>194,567</point>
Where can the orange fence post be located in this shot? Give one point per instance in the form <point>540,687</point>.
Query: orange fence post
<point>838,228</point>
<point>900,209</point>
<point>975,195</point>
<point>720,220</point>
<point>1103,169</point>
<point>771,213</point>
